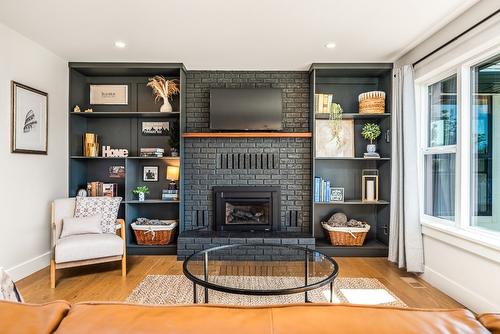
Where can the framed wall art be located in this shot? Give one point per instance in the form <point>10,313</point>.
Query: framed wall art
<point>327,146</point>
<point>150,173</point>
<point>29,120</point>
<point>109,94</point>
<point>155,128</point>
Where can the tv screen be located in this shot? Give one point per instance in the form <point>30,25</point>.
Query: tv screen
<point>245,109</point>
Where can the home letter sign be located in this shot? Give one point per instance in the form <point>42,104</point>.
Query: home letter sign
<point>108,152</point>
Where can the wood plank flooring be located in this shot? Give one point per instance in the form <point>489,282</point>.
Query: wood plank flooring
<point>103,282</point>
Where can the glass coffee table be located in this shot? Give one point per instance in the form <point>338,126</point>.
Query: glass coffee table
<point>260,270</point>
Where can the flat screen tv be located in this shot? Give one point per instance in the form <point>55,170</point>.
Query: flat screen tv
<point>245,109</point>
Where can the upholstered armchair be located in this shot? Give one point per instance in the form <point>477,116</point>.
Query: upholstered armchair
<point>83,249</point>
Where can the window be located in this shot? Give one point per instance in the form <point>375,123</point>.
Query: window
<point>440,150</point>
<point>460,144</point>
<point>485,145</point>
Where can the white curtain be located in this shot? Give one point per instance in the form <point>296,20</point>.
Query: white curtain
<point>405,242</point>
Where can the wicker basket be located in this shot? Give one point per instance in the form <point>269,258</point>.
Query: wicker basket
<point>154,234</point>
<point>347,236</point>
<point>372,102</point>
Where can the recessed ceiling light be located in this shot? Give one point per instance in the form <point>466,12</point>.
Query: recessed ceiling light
<point>120,44</point>
<point>330,45</point>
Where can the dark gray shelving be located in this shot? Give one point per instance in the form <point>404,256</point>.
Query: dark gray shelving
<point>119,126</point>
<point>346,81</point>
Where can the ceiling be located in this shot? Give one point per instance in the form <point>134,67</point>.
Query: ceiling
<point>230,34</point>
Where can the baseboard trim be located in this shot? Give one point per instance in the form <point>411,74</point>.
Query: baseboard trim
<point>463,295</point>
<point>29,267</point>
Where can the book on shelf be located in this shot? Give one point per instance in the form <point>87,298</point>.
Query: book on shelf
<point>154,152</point>
<point>323,103</point>
<point>97,189</point>
<point>321,190</point>
<point>371,155</point>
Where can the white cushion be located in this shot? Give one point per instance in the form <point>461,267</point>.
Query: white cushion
<point>88,246</point>
<point>82,225</point>
<point>106,207</point>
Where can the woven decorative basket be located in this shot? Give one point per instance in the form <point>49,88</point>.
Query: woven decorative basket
<point>347,236</point>
<point>372,102</point>
<point>154,234</point>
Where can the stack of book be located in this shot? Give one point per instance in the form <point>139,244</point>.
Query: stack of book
<point>321,190</point>
<point>154,152</point>
<point>96,188</point>
<point>323,102</point>
<point>373,155</point>
<point>169,195</point>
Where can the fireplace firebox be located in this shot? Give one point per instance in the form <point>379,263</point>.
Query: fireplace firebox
<point>242,208</point>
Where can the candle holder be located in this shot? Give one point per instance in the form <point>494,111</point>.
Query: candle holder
<point>369,185</point>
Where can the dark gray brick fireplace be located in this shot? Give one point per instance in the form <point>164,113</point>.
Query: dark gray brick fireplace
<point>284,162</point>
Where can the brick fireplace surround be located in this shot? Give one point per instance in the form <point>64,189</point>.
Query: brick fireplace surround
<point>209,162</point>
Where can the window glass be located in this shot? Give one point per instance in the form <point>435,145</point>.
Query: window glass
<point>440,185</point>
<point>485,145</point>
<point>443,112</point>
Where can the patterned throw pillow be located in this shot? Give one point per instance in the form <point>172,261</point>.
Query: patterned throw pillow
<point>106,207</point>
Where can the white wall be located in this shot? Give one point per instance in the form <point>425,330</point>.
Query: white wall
<point>466,269</point>
<point>29,182</point>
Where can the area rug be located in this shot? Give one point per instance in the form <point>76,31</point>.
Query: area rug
<point>177,289</point>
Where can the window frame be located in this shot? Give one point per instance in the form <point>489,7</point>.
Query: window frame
<point>463,148</point>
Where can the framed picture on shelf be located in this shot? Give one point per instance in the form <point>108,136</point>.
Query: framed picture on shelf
<point>29,120</point>
<point>336,194</point>
<point>155,128</point>
<point>117,172</point>
<point>109,94</point>
<point>150,173</point>
<point>334,145</point>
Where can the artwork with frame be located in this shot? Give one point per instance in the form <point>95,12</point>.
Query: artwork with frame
<point>117,172</point>
<point>154,128</point>
<point>109,94</point>
<point>29,120</point>
<point>327,146</point>
<point>150,173</point>
<point>336,194</point>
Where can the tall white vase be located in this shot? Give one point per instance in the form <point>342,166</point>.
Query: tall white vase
<point>166,106</point>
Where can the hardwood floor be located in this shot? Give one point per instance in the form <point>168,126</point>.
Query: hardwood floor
<point>103,282</point>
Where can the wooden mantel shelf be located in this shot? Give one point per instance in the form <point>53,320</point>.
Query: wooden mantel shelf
<point>247,135</point>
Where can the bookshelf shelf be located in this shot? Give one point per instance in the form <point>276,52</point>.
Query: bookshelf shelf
<point>342,84</point>
<point>120,126</point>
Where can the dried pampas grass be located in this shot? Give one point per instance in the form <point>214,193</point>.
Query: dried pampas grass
<point>162,87</point>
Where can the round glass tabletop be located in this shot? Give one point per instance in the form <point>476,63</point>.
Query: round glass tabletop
<point>260,269</point>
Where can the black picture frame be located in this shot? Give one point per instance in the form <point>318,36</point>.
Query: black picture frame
<point>150,173</point>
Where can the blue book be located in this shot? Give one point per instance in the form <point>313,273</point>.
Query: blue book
<point>317,184</point>
<point>327,191</point>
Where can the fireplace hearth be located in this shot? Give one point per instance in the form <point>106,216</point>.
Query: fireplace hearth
<point>247,209</point>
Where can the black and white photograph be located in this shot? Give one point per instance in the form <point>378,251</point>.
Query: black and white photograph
<point>29,120</point>
<point>336,194</point>
<point>150,173</point>
<point>155,128</point>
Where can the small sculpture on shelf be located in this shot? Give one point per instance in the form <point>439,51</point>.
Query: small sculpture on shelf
<point>371,132</point>
<point>88,110</point>
<point>141,192</point>
<point>76,108</point>
<point>163,89</point>
<point>90,145</point>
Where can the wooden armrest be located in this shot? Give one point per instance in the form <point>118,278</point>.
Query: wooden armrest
<point>120,228</point>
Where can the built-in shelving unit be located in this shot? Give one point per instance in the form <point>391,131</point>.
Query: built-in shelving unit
<point>346,82</point>
<point>119,126</point>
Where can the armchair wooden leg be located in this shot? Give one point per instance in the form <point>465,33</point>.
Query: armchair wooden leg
<point>124,265</point>
<point>52,274</point>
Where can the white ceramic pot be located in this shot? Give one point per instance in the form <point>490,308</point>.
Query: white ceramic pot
<point>371,148</point>
<point>142,197</point>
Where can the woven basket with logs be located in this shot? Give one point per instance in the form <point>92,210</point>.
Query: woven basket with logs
<point>154,232</point>
<point>342,232</point>
<point>372,102</point>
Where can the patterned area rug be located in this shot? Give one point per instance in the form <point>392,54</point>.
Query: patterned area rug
<point>177,289</point>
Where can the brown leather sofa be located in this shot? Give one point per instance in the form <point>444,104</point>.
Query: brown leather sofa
<point>62,317</point>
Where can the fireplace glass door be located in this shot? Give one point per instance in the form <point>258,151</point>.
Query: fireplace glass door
<point>247,213</point>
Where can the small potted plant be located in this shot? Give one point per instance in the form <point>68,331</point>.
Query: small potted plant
<point>371,132</point>
<point>173,139</point>
<point>163,89</point>
<point>141,192</point>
